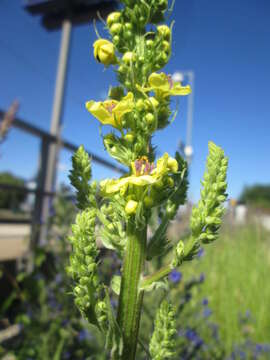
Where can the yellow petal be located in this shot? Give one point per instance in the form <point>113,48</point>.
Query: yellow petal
<point>98,110</point>
<point>97,44</point>
<point>178,89</point>
<point>161,168</point>
<point>131,207</point>
<point>173,165</point>
<point>159,81</point>
<point>124,106</point>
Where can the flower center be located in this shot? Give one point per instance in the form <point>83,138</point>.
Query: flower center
<point>143,166</point>
<point>110,107</point>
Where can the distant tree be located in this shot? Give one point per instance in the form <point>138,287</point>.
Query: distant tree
<point>256,195</point>
<point>11,199</point>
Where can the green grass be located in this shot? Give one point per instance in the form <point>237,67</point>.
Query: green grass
<point>237,270</point>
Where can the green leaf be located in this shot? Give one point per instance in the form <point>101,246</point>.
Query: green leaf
<point>116,284</point>
<point>114,340</point>
<point>161,284</point>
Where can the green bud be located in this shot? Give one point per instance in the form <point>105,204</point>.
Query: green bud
<point>113,17</point>
<point>129,137</point>
<point>164,31</point>
<point>116,39</point>
<point>116,28</point>
<point>166,46</point>
<point>150,43</point>
<point>128,35</point>
<point>150,118</point>
<point>128,27</point>
<point>170,182</point>
<point>140,105</point>
<point>162,344</point>
<point>148,201</point>
<point>131,207</point>
<point>128,57</point>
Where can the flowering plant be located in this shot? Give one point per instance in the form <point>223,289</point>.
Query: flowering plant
<point>122,208</point>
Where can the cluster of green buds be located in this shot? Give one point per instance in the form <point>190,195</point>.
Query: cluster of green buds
<point>118,211</point>
<point>162,342</point>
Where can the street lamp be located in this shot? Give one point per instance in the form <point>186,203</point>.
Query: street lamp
<point>187,147</point>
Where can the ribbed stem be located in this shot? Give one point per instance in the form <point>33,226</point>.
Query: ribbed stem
<point>130,300</point>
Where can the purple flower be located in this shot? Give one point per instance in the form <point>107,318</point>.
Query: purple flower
<point>58,278</point>
<point>193,337</point>
<point>207,312</point>
<point>84,335</point>
<point>175,276</point>
<point>205,302</point>
<point>202,278</point>
<point>200,252</point>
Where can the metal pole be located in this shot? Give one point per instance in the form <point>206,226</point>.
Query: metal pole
<point>50,176</point>
<point>188,147</point>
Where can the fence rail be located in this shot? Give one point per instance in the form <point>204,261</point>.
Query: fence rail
<point>46,140</point>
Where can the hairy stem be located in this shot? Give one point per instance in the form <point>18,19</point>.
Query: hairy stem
<point>148,280</point>
<point>130,300</point>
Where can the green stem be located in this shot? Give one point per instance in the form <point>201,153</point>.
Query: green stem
<point>130,299</point>
<point>148,280</point>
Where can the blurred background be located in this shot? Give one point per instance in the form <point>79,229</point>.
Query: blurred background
<point>47,73</point>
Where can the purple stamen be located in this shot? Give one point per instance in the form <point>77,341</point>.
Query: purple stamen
<point>147,168</point>
<point>170,81</point>
<point>110,107</point>
<point>138,166</point>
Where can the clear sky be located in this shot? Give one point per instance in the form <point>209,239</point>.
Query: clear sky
<point>226,44</point>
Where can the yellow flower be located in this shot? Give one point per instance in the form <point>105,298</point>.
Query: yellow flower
<point>163,86</point>
<point>104,52</point>
<point>143,174</point>
<point>113,17</point>
<point>110,112</point>
<point>131,207</point>
<point>164,31</point>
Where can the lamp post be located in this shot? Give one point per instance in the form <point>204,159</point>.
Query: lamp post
<point>187,147</point>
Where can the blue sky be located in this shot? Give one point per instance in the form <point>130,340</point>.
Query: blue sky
<point>226,44</point>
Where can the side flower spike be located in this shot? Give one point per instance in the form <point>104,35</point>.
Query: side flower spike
<point>110,112</point>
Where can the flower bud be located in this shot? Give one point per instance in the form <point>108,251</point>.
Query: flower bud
<point>116,40</point>
<point>163,4</point>
<point>148,201</point>
<point>149,43</point>
<point>164,31</point>
<point>172,165</point>
<point>121,69</point>
<point>170,209</point>
<point>128,57</point>
<point>129,137</point>
<point>104,52</point>
<point>140,105</point>
<point>110,227</point>
<point>116,28</point>
<point>128,35</point>
<point>113,17</point>
<point>150,118</point>
<point>131,207</point>
<point>170,182</point>
<point>151,103</point>
<point>166,46</point>
<point>128,26</point>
